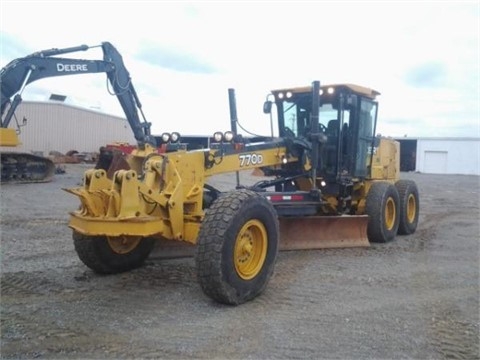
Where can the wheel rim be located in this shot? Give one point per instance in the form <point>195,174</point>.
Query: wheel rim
<point>250,249</point>
<point>411,208</point>
<point>123,244</point>
<point>390,214</point>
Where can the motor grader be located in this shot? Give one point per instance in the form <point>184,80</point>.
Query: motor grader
<point>328,182</point>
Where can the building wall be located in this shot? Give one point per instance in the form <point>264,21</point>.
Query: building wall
<point>448,156</point>
<point>55,126</point>
<point>59,127</point>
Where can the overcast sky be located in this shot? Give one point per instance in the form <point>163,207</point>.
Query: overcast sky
<point>423,57</point>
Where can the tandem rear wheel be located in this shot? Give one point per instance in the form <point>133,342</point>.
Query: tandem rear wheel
<point>409,206</point>
<point>383,210</point>
<point>237,247</point>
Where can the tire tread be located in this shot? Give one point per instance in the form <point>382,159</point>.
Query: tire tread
<point>209,251</point>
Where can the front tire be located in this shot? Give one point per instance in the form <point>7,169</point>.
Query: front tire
<point>409,206</point>
<point>382,208</point>
<point>237,247</point>
<point>111,255</point>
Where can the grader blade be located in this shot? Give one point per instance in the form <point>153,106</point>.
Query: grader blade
<point>171,249</point>
<point>323,232</point>
<point>296,233</point>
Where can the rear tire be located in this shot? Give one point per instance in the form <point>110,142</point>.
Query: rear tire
<point>237,247</point>
<point>106,255</point>
<point>409,206</point>
<point>383,210</point>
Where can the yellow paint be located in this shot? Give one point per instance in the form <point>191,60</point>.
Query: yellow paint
<point>166,201</point>
<point>8,137</point>
<point>250,249</point>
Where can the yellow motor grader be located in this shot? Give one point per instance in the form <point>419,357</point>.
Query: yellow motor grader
<point>329,181</point>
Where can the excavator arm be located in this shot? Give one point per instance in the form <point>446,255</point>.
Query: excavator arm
<point>43,64</point>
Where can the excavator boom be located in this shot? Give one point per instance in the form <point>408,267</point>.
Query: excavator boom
<point>16,75</point>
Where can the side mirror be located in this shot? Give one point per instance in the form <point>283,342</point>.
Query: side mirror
<point>267,107</point>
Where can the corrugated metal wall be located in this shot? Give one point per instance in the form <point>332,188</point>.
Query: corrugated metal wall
<point>60,127</point>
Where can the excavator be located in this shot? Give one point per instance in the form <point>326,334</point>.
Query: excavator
<point>21,167</point>
<point>329,182</point>
<point>16,75</point>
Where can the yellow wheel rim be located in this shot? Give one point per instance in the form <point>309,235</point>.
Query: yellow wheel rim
<point>411,208</point>
<point>250,249</point>
<point>390,214</point>
<point>123,244</point>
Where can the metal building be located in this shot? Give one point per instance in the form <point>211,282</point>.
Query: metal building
<point>56,126</point>
<point>440,155</point>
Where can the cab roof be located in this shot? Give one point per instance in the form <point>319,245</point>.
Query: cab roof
<point>357,89</point>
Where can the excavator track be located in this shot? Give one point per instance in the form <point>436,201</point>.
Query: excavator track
<point>25,168</point>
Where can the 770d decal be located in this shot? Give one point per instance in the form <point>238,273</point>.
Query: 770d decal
<point>250,159</point>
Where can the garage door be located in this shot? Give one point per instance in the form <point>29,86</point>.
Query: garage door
<point>435,162</point>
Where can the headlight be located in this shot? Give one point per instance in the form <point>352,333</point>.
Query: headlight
<point>289,94</point>
<point>165,137</point>
<point>175,137</point>
<point>218,136</point>
<point>228,136</point>
<point>280,95</point>
<point>330,90</point>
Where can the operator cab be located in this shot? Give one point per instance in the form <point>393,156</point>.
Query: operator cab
<point>347,120</point>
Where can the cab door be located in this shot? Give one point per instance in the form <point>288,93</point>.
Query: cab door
<point>366,126</point>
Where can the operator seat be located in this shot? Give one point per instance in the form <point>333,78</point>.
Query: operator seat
<point>332,128</point>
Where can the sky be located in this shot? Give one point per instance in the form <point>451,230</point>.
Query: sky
<point>183,56</point>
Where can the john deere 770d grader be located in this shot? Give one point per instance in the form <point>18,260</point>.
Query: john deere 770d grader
<point>330,182</point>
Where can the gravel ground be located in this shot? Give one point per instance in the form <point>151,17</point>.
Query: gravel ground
<point>414,298</point>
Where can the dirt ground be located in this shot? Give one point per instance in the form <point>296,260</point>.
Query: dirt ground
<point>414,298</point>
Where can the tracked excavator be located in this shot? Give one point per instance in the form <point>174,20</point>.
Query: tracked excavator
<point>20,167</point>
<point>16,75</point>
<point>328,182</point>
